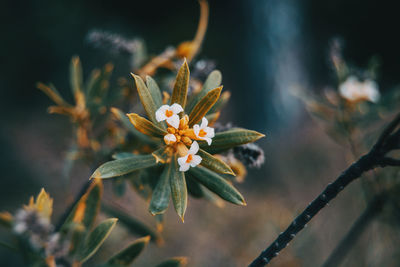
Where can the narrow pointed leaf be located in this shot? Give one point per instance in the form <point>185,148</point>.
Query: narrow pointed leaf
<point>145,126</point>
<point>218,185</point>
<point>124,155</point>
<point>203,106</point>
<point>174,262</point>
<point>88,206</point>
<point>225,140</point>
<point>179,94</point>
<point>76,75</point>
<point>162,192</point>
<point>123,166</point>
<point>214,164</point>
<point>53,94</point>
<point>178,189</point>
<point>154,91</point>
<point>128,254</point>
<point>213,80</point>
<point>96,238</point>
<point>147,99</point>
<point>133,225</point>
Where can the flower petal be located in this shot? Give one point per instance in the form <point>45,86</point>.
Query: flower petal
<point>196,130</point>
<point>169,139</point>
<point>182,160</point>
<point>210,132</point>
<point>194,148</point>
<point>204,123</point>
<point>160,113</point>
<point>184,167</point>
<point>176,108</point>
<point>209,140</point>
<point>195,161</point>
<point>173,121</point>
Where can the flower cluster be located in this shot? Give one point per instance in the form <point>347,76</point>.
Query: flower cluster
<point>179,132</point>
<point>185,147</point>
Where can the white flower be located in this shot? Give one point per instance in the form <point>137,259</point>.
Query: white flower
<point>353,90</point>
<point>203,132</point>
<point>169,139</point>
<point>190,160</point>
<point>170,114</point>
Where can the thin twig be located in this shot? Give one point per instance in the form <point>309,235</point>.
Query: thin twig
<point>386,142</point>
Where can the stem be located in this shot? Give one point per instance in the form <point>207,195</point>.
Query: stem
<point>340,252</point>
<point>387,142</point>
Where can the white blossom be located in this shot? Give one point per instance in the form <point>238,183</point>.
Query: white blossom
<point>191,159</point>
<point>204,132</point>
<point>353,90</point>
<point>170,114</point>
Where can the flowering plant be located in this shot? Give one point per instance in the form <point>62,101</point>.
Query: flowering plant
<point>184,145</point>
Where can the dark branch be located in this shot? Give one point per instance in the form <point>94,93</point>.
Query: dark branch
<point>386,142</point>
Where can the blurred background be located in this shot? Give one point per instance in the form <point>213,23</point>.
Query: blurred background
<point>263,49</point>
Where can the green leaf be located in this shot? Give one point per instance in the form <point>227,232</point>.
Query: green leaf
<point>214,164</point>
<point>76,75</point>
<point>134,226</point>
<point>145,126</point>
<point>123,166</point>
<point>213,80</point>
<point>154,91</point>
<point>174,262</point>
<point>76,233</point>
<point>234,137</point>
<point>128,254</point>
<point>96,238</point>
<point>178,189</point>
<point>88,206</point>
<point>179,93</point>
<point>203,106</point>
<point>217,184</point>
<point>147,99</point>
<point>124,155</point>
<point>162,192</point>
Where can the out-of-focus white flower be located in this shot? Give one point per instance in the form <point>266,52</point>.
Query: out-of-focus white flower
<point>353,90</point>
<point>204,132</point>
<point>170,114</point>
<point>169,139</point>
<point>191,159</point>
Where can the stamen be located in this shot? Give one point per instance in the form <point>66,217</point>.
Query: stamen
<point>189,158</point>
<point>202,133</point>
<point>169,113</point>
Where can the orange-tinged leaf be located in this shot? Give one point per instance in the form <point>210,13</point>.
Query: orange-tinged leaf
<point>145,126</point>
<point>204,105</point>
<point>179,93</point>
